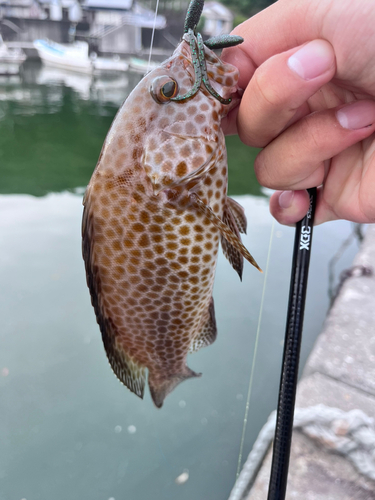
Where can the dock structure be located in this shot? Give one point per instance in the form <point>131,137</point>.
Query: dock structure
<point>109,26</point>
<point>20,45</point>
<point>333,446</point>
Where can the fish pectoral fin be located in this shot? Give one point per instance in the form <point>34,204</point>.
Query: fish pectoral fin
<point>238,214</point>
<point>208,332</point>
<point>231,253</point>
<point>225,232</point>
<point>160,387</point>
<point>185,168</point>
<point>128,371</point>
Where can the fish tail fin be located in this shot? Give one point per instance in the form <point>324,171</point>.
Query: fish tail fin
<point>161,387</point>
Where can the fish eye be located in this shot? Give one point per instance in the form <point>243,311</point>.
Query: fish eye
<point>168,90</point>
<point>163,89</point>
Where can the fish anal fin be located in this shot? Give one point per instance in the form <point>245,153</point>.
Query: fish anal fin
<point>238,214</point>
<point>225,232</point>
<point>231,253</point>
<point>160,387</point>
<point>208,332</point>
<point>126,369</point>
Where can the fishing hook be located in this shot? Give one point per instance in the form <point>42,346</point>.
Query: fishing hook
<point>190,38</point>
<point>200,69</point>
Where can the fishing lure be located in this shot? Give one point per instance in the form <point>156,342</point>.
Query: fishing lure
<point>155,210</point>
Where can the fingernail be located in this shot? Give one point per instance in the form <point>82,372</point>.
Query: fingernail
<point>355,116</point>
<point>312,60</point>
<point>286,199</point>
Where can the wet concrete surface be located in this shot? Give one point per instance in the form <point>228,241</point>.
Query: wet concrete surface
<point>340,373</point>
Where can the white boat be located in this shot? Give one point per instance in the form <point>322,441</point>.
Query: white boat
<point>76,57</point>
<point>10,59</point>
<point>109,63</point>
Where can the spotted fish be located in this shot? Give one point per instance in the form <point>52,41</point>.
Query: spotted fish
<point>155,210</point>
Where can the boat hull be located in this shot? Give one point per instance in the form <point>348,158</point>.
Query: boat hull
<point>75,57</point>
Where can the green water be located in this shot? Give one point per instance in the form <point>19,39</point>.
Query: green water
<point>68,428</point>
<point>51,134</point>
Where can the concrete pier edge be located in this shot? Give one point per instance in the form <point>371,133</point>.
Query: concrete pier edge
<point>339,374</point>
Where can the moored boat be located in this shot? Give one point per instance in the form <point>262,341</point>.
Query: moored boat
<point>76,57</point>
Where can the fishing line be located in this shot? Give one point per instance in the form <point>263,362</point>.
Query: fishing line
<point>255,353</point>
<point>152,36</point>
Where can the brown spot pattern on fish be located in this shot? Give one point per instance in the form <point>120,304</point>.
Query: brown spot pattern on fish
<point>150,226</point>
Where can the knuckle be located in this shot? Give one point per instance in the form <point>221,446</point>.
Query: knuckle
<point>250,137</point>
<point>309,133</point>
<point>268,90</point>
<point>327,206</point>
<point>263,170</point>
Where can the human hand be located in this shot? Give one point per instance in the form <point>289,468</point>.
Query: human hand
<point>308,70</point>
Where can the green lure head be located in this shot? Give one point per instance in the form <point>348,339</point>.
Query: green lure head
<point>196,43</point>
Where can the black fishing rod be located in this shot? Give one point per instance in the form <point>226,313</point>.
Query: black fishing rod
<point>292,347</point>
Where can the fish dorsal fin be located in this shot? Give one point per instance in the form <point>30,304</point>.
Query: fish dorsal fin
<point>161,387</point>
<point>208,332</point>
<point>238,214</point>
<point>225,232</point>
<point>232,253</point>
<point>130,374</point>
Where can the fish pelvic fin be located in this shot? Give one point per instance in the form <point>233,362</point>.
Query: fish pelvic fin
<point>160,387</point>
<point>225,232</point>
<point>208,332</point>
